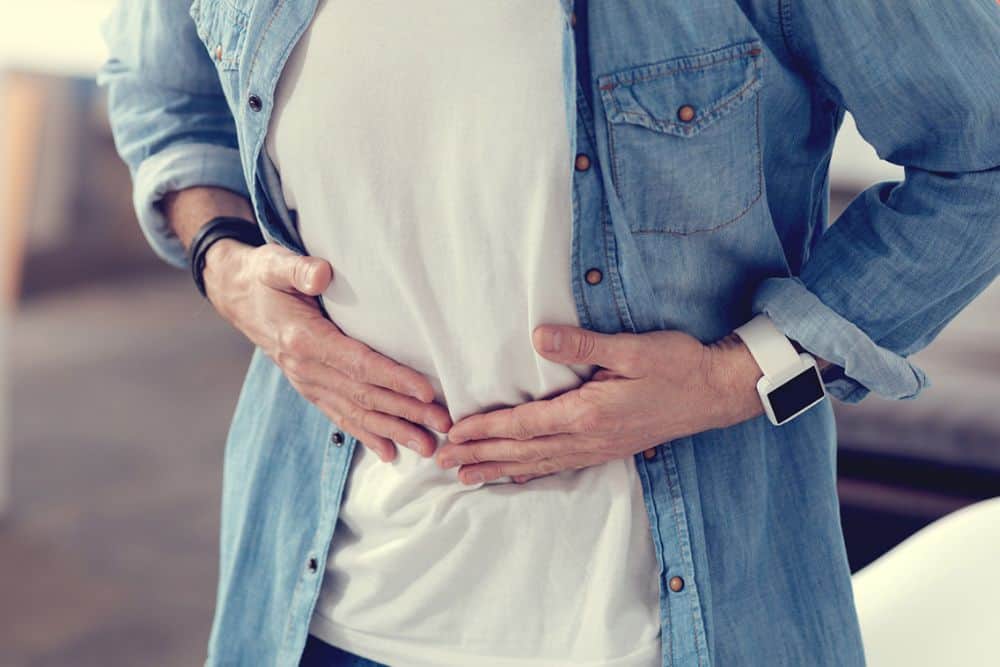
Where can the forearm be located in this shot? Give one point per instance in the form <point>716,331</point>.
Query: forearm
<point>734,375</point>
<point>188,209</point>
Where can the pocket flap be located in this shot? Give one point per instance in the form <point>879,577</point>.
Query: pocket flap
<point>221,28</point>
<point>682,96</point>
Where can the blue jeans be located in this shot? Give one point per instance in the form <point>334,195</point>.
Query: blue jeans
<point>318,653</point>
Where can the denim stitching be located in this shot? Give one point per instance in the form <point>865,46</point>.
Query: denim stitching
<point>607,232</point>
<point>698,62</point>
<point>676,498</point>
<point>690,129</point>
<point>325,469</point>
<point>750,205</point>
<point>653,514</point>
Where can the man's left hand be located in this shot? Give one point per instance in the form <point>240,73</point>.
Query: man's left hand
<point>649,389</point>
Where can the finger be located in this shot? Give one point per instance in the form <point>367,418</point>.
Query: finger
<point>373,397</point>
<point>364,365</point>
<point>384,448</point>
<point>574,345</point>
<point>284,270</point>
<point>480,451</point>
<point>605,374</point>
<point>398,431</point>
<point>487,472</point>
<point>521,422</point>
<point>521,479</point>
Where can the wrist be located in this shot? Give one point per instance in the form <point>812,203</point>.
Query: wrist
<point>732,378</point>
<point>221,261</point>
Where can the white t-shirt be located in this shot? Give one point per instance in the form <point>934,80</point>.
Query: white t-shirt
<point>424,146</point>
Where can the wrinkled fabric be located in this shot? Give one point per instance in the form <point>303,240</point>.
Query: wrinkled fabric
<point>696,222</point>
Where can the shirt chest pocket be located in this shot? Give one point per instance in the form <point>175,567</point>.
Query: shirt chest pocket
<point>683,140</point>
<point>222,28</point>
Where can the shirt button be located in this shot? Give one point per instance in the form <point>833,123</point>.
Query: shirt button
<point>218,53</point>
<point>582,162</point>
<point>337,438</point>
<point>649,453</point>
<point>593,276</point>
<point>254,103</point>
<point>313,565</point>
<point>676,584</point>
<point>572,19</point>
<point>685,113</point>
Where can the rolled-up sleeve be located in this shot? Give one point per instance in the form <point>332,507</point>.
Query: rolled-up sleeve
<point>905,257</point>
<point>171,123</point>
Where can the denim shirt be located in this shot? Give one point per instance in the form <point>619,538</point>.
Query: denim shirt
<point>696,222</point>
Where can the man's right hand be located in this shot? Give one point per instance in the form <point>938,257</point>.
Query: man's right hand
<point>269,293</point>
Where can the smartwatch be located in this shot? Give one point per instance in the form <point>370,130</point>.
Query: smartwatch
<point>791,383</point>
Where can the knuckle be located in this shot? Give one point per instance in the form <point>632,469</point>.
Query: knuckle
<point>519,428</point>
<point>613,424</point>
<point>355,366</point>
<point>591,420</point>
<point>357,415</point>
<point>632,353</point>
<point>292,366</point>
<point>586,343</point>
<point>362,397</point>
<point>533,453</point>
<point>294,340</point>
<point>547,466</point>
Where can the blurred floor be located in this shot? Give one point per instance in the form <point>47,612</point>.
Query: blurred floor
<point>121,398</point>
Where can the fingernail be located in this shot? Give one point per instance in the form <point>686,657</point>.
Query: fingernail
<point>552,341</point>
<point>414,445</point>
<point>447,463</point>
<point>475,478</point>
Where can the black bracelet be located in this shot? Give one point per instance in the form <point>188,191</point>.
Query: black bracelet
<point>216,229</point>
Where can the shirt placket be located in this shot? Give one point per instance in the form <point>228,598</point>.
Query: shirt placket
<point>601,306</point>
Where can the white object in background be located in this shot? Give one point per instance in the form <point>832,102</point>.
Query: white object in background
<point>855,165</point>
<point>32,40</point>
<point>934,599</point>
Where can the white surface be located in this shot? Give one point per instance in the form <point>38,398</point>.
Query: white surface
<point>53,37</point>
<point>934,599</point>
<point>425,147</point>
<point>855,165</point>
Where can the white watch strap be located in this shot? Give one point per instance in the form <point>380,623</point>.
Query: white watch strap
<point>770,348</point>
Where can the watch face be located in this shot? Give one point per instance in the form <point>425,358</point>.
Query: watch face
<point>798,393</point>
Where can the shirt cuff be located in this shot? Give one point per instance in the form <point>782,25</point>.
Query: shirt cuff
<point>177,167</point>
<point>861,365</point>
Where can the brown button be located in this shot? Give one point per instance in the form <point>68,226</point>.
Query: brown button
<point>337,438</point>
<point>649,453</point>
<point>685,113</point>
<point>582,162</point>
<point>218,53</point>
<point>676,584</point>
<point>572,19</point>
<point>593,276</point>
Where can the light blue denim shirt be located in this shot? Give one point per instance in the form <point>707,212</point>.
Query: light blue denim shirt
<point>695,225</point>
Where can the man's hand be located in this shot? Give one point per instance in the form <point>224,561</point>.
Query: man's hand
<point>651,388</point>
<point>268,293</point>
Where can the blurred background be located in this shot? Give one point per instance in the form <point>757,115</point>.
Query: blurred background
<point>119,381</point>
